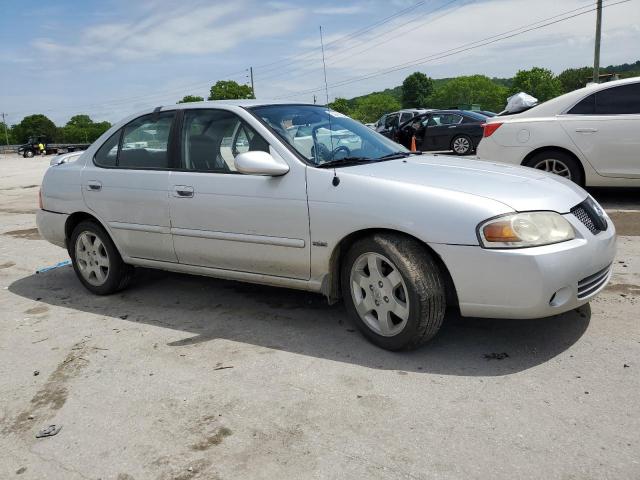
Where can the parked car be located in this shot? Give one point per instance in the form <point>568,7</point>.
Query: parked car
<point>389,123</point>
<point>457,130</point>
<point>223,189</point>
<point>590,136</point>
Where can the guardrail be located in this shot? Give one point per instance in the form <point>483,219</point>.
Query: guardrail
<point>9,148</point>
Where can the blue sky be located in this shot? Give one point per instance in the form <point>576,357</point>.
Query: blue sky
<point>110,58</point>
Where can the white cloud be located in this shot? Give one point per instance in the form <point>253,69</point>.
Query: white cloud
<point>186,30</point>
<point>351,10</point>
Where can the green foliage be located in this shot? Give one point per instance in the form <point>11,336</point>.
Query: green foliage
<point>573,78</point>
<point>341,105</point>
<point>229,90</point>
<point>372,107</point>
<point>416,90</point>
<point>33,126</point>
<point>191,98</point>
<point>81,129</point>
<point>472,89</point>
<point>539,82</point>
<point>3,136</point>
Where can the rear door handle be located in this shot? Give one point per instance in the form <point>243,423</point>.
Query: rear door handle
<point>182,191</point>
<point>94,185</point>
<point>453,126</point>
<point>586,130</point>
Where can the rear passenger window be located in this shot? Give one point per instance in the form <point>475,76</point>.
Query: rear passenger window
<point>145,142</point>
<point>586,106</point>
<point>211,139</point>
<point>107,154</point>
<point>621,100</point>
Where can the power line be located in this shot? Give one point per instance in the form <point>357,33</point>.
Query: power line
<point>454,51</point>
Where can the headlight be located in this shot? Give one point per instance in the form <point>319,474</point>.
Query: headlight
<point>529,229</point>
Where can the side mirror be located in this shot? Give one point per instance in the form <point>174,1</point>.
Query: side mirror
<point>260,163</point>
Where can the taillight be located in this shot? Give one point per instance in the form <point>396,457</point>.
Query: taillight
<point>489,128</point>
<point>40,199</point>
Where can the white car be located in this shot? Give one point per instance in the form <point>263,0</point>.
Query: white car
<point>400,236</point>
<point>590,136</point>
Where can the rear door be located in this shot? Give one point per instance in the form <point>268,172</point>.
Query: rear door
<point>126,186</point>
<point>440,129</point>
<point>605,126</point>
<point>223,219</point>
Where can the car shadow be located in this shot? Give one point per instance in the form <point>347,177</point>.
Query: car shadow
<point>301,322</point>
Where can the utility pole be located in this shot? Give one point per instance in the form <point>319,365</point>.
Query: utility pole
<point>253,91</point>
<point>596,53</point>
<point>6,133</point>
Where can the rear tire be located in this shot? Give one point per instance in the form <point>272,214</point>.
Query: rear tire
<point>394,291</point>
<point>96,260</point>
<point>462,145</point>
<point>559,163</point>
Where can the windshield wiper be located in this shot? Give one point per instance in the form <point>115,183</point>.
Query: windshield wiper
<point>394,155</point>
<point>346,161</point>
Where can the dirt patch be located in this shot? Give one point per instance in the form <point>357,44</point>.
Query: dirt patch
<point>37,310</point>
<point>53,394</point>
<point>6,265</point>
<point>19,211</point>
<point>627,223</point>
<point>211,440</point>
<point>28,234</point>
<point>197,469</point>
<point>625,288</point>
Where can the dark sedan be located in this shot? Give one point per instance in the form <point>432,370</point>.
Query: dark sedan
<point>457,130</point>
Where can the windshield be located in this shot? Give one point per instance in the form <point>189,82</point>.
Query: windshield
<point>322,135</point>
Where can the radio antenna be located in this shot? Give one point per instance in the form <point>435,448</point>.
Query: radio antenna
<point>324,67</point>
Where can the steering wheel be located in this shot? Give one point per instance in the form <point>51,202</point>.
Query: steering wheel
<point>340,148</point>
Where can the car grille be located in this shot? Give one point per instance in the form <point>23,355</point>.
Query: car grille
<point>590,284</point>
<point>590,215</point>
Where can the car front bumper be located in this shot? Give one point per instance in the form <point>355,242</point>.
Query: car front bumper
<point>51,226</point>
<point>531,282</point>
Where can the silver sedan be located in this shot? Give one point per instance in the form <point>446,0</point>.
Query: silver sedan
<point>300,196</point>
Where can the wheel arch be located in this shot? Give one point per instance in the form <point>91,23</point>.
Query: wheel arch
<point>539,150</point>
<point>80,216</point>
<point>331,283</point>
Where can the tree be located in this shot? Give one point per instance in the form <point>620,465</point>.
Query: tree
<point>372,107</point>
<point>476,89</point>
<point>229,90</point>
<point>34,126</point>
<point>416,90</point>
<point>6,133</point>
<point>81,129</point>
<point>539,82</point>
<point>341,105</point>
<point>191,98</point>
<point>573,78</point>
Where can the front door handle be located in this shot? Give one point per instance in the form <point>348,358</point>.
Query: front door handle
<point>586,130</point>
<point>453,126</point>
<point>183,191</point>
<point>94,185</point>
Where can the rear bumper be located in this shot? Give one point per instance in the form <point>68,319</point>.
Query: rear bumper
<point>489,149</point>
<point>531,282</point>
<point>51,226</point>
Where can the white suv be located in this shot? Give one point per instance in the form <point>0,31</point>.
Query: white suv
<point>591,135</point>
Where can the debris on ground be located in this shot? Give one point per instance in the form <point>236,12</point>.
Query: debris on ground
<point>36,373</point>
<point>49,431</point>
<point>496,356</point>
<point>625,366</point>
<point>52,267</point>
<point>124,317</point>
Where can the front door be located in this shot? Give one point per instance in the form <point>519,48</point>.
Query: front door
<point>223,219</point>
<point>126,186</point>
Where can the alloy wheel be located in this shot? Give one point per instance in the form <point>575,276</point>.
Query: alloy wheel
<point>92,258</point>
<point>461,145</point>
<point>553,165</point>
<point>379,294</point>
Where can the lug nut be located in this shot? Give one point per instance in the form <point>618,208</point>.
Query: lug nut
<point>386,299</point>
<point>380,284</point>
<point>377,303</point>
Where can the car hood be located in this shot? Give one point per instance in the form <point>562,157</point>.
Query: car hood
<point>520,188</point>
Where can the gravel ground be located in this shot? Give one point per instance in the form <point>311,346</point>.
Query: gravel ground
<point>184,377</point>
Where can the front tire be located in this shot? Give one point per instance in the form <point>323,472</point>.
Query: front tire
<point>96,260</point>
<point>394,291</point>
<point>28,154</point>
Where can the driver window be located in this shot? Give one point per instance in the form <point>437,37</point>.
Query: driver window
<point>211,139</point>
